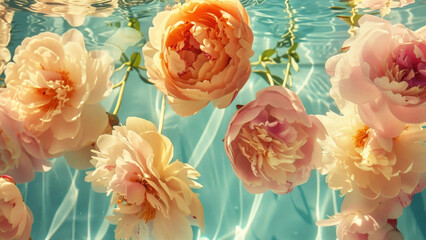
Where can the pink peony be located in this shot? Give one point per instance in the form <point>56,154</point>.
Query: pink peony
<point>74,12</point>
<point>56,86</point>
<point>200,52</point>
<point>15,217</point>
<point>384,74</point>
<point>20,152</point>
<point>272,143</point>
<point>153,195</point>
<point>356,157</point>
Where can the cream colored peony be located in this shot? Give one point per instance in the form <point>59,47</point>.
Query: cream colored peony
<point>152,195</point>
<point>74,12</point>
<point>356,157</point>
<point>200,52</point>
<point>15,217</point>
<point>56,85</point>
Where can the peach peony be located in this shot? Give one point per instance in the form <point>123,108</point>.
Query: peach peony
<point>56,86</point>
<point>200,52</point>
<point>74,12</point>
<point>356,157</point>
<point>384,74</point>
<point>272,143</point>
<point>15,217</point>
<point>152,195</point>
<point>20,152</point>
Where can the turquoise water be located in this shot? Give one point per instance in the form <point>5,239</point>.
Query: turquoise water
<point>65,207</point>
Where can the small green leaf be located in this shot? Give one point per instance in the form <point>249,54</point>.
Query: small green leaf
<point>337,8</point>
<point>267,54</point>
<point>295,56</point>
<point>134,23</point>
<point>135,60</point>
<point>277,59</point>
<point>276,79</point>
<point>285,56</point>
<point>293,48</point>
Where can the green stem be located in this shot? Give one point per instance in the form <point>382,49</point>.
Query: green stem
<point>292,37</point>
<point>120,94</point>
<point>162,113</point>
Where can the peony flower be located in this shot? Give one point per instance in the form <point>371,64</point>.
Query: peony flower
<point>200,52</point>
<point>272,143</point>
<point>152,195</point>
<point>6,17</point>
<point>56,86</point>
<point>15,217</point>
<point>20,152</point>
<point>74,12</point>
<point>363,218</point>
<point>356,157</point>
<point>358,226</point>
<point>384,74</point>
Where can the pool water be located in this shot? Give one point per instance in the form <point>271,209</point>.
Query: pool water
<point>64,205</point>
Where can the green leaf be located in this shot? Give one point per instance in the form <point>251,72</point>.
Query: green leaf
<point>337,8</point>
<point>276,79</point>
<point>351,20</point>
<point>134,23</point>
<point>267,54</point>
<point>277,59</point>
<point>295,56</point>
<point>285,56</point>
<point>135,60</point>
<point>293,47</point>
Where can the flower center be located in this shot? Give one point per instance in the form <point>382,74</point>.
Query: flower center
<point>148,211</point>
<point>56,92</point>
<point>408,65</point>
<point>266,151</point>
<point>360,137</point>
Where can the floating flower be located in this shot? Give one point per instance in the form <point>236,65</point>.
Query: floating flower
<point>56,86</point>
<point>272,142</point>
<point>153,195</point>
<point>20,152</point>
<point>357,157</point>
<point>200,52</point>
<point>384,74</point>
<point>15,217</point>
<point>74,12</point>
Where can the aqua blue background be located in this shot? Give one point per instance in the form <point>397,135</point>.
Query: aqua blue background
<point>65,207</point>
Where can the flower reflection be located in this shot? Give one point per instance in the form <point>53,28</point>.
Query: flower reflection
<point>6,17</point>
<point>74,12</point>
